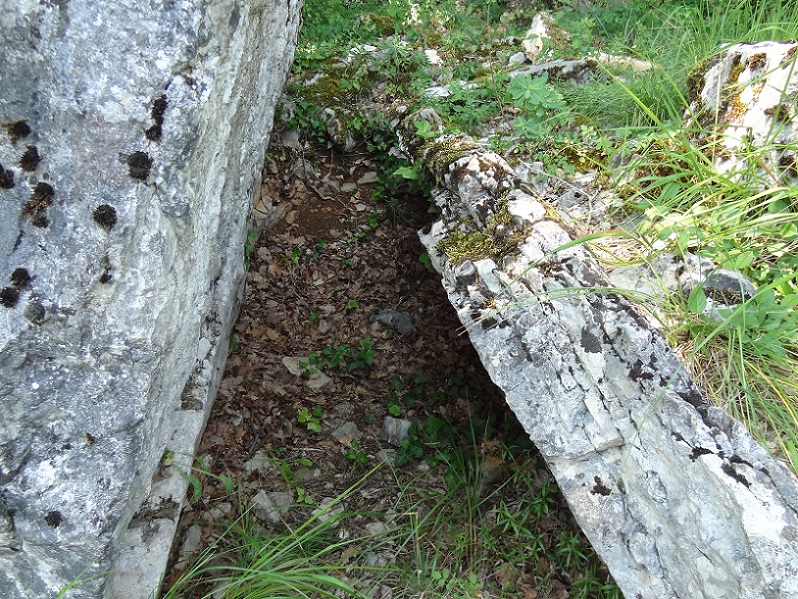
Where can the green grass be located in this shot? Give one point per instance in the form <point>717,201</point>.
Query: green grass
<point>478,523</point>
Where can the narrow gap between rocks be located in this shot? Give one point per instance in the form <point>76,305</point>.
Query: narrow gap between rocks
<point>345,338</point>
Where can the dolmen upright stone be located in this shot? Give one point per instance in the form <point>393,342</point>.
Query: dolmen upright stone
<point>676,497</point>
<point>131,137</point>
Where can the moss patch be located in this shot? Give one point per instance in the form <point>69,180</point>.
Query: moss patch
<point>439,154</point>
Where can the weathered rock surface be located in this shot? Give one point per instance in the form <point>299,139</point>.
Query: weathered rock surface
<point>748,99</point>
<point>677,498</point>
<point>132,135</point>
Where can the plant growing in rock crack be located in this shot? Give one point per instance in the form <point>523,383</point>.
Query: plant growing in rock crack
<point>195,474</point>
<point>543,109</point>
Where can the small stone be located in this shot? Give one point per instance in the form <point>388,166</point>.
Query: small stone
<point>486,269</point>
<point>516,59</point>
<point>374,560</point>
<point>433,57</point>
<point>369,177</point>
<point>399,322</point>
<point>375,528</point>
<point>360,207</point>
<point>324,512</point>
<point>395,430</point>
<point>191,543</point>
<point>304,474</point>
<point>221,510</point>
<point>314,378</point>
<point>346,433</point>
<point>387,456</point>
<point>260,463</point>
<point>728,287</point>
<point>270,506</point>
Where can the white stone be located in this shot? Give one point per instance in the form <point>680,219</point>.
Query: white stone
<point>113,319</point>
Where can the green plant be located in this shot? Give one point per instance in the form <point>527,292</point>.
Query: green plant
<point>355,454</point>
<point>543,109</point>
<point>195,474</point>
<point>303,498</point>
<point>249,561</point>
<point>249,246</point>
<point>312,317</point>
<point>311,419</point>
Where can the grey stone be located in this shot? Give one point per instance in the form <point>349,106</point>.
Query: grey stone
<point>150,121</point>
<point>270,507</point>
<point>399,322</point>
<point>728,287</point>
<point>314,378</point>
<point>676,497</point>
<point>346,433</point>
<point>260,463</point>
<point>329,508</point>
<point>395,430</point>
<point>387,456</point>
<point>516,59</point>
<point>192,540</point>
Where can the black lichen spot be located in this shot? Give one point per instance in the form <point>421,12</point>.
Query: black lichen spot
<point>105,216</point>
<point>154,133</point>
<point>158,109</point>
<point>30,159</point>
<point>106,276</point>
<point>600,488</point>
<point>638,371</point>
<point>735,459</point>
<point>699,451</point>
<point>6,178</point>
<point>488,323</point>
<point>590,343</point>
<point>21,278</point>
<point>39,201</point>
<point>729,470</point>
<point>139,165</point>
<point>54,519</point>
<point>17,130</point>
<point>9,296</point>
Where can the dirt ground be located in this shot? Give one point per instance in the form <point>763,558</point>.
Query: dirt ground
<point>317,278</point>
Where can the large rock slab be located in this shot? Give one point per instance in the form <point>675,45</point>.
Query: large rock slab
<point>131,137</point>
<point>677,498</point>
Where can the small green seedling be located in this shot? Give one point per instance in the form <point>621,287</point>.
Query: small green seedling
<point>356,455</point>
<point>311,420</point>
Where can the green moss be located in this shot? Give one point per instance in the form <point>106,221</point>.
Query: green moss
<point>438,155</point>
<point>493,242</point>
<point>326,91</point>
<point>696,80</point>
<point>384,24</point>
